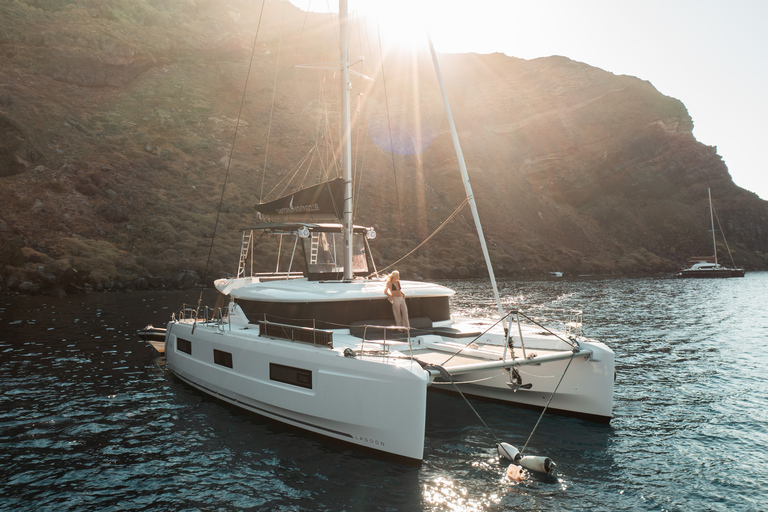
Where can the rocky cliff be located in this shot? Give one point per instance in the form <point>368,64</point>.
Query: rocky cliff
<point>123,164</point>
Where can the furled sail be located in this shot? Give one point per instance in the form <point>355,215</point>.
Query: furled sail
<point>318,203</point>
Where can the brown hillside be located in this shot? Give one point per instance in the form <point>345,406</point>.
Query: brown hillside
<point>118,121</point>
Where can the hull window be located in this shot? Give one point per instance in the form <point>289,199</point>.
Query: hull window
<point>290,375</point>
<point>222,358</point>
<point>184,346</point>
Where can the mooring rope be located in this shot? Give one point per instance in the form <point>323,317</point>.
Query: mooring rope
<point>446,375</point>
<point>548,402</point>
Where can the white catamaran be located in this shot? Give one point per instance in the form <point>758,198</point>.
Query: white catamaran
<point>319,350</point>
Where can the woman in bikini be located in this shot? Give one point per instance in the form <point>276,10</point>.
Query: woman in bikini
<point>394,291</point>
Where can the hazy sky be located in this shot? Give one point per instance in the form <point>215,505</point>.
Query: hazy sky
<point>710,54</point>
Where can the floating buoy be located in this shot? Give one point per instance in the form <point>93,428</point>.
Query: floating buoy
<point>530,462</point>
<point>507,451</point>
<point>540,464</point>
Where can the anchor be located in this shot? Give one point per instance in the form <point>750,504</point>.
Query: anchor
<point>516,382</point>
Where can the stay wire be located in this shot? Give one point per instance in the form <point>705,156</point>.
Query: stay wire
<point>733,263</point>
<point>441,226</point>
<point>389,126</point>
<point>271,110</point>
<point>232,150</point>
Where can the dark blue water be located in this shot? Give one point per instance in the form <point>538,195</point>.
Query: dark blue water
<point>91,420</point>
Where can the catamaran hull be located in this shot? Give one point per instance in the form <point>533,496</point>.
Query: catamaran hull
<point>586,391</point>
<point>372,405</point>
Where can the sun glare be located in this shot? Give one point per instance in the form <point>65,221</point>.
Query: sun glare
<point>401,23</point>
<point>405,24</point>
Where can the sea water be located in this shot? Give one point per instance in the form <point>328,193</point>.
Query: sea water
<point>91,419</point>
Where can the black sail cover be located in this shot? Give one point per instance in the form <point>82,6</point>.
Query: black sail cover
<point>319,202</point>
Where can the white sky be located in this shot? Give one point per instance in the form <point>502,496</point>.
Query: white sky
<point>710,54</point>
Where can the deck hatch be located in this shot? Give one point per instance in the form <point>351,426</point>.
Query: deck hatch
<point>290,375</point>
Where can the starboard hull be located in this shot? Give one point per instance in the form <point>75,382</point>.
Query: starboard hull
<point>586,391</point>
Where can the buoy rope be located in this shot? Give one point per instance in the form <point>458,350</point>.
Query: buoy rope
<point>548,402</point>
<point>446,374</point>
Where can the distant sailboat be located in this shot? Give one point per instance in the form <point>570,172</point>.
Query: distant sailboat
<point>707,266</point>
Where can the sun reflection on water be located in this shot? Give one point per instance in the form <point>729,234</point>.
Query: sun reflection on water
<point>446,494</point>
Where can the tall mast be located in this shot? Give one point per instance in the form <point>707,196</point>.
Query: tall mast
<point>346,144</point>
<point>465,179</point>
<point>712,220</point>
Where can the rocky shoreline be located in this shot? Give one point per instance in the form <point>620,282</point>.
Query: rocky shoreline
<point>72,282</point>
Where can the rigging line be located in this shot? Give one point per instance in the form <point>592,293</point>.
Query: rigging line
<point>358,194</point>
<point>445,373</point>
<point>320,136</point>
<point>304,24</point>
<point>446,221</point>
<point>478,337</point>
<point>232,149</point>
<point>359,168</point>
<point>389,126</point>
<point>306,173</point>
<point>476,413</point>
<point>548,402</point>
<point>309,165</point>
<point>287,179</point>
<point>484,379</point>
<point>547,329</point>
<point>521,370</point>
<point>272,108</point>
<point>367,44</point>
<point>724,240</point>
<point>361,111</point>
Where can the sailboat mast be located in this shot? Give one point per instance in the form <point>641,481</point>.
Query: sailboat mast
<point>465,179</point>
<point>346,144</point>
<point>712,220</point>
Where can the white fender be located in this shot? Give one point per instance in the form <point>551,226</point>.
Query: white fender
<point>507,451</point>
<point>540,464</point>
